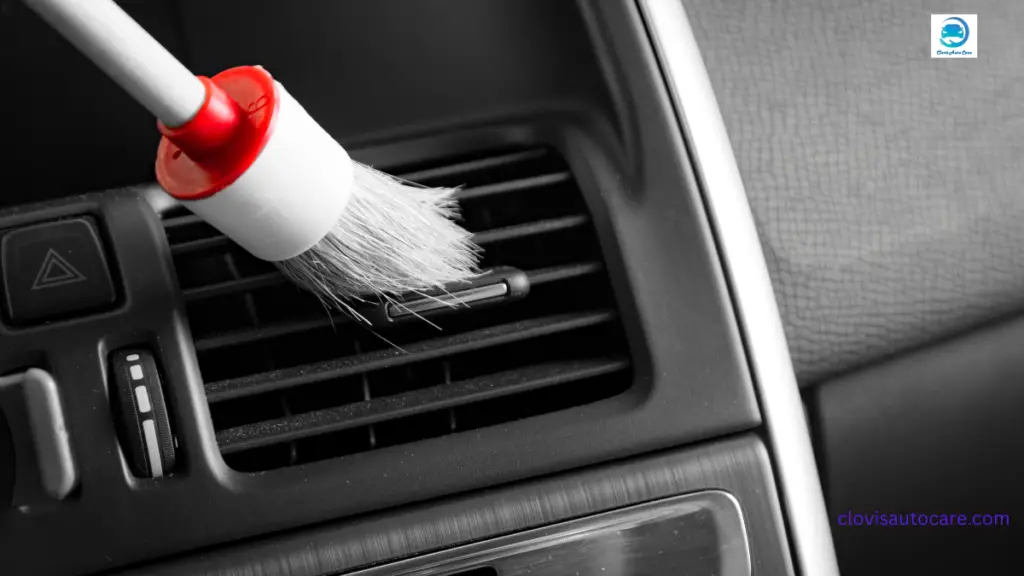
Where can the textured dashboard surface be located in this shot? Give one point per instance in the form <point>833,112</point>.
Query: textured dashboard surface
<point>888,187</point>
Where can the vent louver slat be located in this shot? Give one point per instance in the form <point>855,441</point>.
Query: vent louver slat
<point>520,159</point>
<point>200,244</point>
<point>234,286</point>
<point>248,335</point>
<point>276,278</point>
<point>430,399</point>
<point>391,357</point>
<point>521,185</point>
<point>539,277</point>
<point>531,229</point>
<point>289,383</point>
<point>482,238</point>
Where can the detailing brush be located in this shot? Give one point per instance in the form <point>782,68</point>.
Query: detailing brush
<point>243,155</point>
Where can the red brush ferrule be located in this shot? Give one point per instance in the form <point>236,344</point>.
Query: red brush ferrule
<point>227,134</point>
<point>278,186</point>
<point>216,123</point>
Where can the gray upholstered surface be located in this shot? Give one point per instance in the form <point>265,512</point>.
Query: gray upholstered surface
<point>888,187</point>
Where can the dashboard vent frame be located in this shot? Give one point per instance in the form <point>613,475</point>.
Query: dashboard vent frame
<point>288,383</point>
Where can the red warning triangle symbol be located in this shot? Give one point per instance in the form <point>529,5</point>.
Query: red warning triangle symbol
<point>56,271</point>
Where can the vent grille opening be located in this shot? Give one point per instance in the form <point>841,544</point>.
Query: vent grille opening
<point>288,383</point>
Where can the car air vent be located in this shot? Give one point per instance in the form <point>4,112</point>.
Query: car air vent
<point>289,384</point>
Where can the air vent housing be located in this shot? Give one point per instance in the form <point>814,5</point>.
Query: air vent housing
<point>289,384</point>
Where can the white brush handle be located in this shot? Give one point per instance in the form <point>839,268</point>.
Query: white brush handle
<point>109,37</point>
<point>277,195</point>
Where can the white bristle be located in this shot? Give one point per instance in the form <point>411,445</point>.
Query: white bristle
<point>393,237</point>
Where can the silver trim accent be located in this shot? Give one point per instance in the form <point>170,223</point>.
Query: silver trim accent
<point>749,282</point>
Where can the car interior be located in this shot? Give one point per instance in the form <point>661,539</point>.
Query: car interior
<point>762,282</point>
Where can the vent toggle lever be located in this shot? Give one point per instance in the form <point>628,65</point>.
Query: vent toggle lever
<point>498,285</point>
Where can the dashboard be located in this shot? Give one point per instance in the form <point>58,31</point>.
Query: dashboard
<point>680,195</point>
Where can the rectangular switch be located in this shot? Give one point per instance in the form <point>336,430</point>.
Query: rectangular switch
<point>54,270</point>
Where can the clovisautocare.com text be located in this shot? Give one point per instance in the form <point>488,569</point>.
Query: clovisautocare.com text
<point>850,518</point>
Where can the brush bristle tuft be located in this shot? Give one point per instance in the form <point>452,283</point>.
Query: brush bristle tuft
<point>393,238</point>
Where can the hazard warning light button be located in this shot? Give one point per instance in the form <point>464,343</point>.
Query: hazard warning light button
<point>54,271</point>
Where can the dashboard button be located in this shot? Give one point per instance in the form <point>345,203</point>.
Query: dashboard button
<point>54,270</point>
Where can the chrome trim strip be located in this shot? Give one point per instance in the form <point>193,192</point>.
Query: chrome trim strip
<point>749,282</point>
